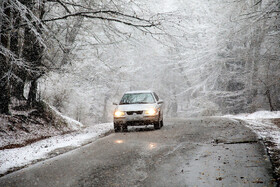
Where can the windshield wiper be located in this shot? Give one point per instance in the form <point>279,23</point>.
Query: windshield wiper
<point>124,103</point>
<point>142,102</point>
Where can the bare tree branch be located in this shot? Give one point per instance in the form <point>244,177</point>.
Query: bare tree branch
<point>62,4</point>
<point>108,12</point>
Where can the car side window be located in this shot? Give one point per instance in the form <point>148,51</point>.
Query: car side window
<point>156,96</point>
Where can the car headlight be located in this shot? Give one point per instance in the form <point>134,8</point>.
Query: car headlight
<point>119,114</point>
<point>151,111</point>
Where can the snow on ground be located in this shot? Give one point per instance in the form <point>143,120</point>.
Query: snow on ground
<point>262,123</point>
<point>257,115</point>
<point>73,124</point>
<point>267,126</point>
<point>20,157</point>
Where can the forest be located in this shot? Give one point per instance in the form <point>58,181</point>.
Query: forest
<point>203,57</point>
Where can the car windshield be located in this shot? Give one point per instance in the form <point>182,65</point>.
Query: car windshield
<point>137,98</point>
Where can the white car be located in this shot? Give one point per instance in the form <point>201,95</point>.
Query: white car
<point>138,108</point>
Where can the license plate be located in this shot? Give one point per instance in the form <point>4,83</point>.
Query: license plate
<point>136,118</point>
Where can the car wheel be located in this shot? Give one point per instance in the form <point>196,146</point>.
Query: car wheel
<point>117,128</point>
<point>124,128</point>
<point>157,125</point>
<point>161,123</point>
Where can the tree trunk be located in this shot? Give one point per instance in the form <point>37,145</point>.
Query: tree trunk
<point>104,116</point>
<point>18,90</point>
<point>268,95</point>
<point>32,53</point>
<point>4,62</point>
<point>4,98</point>
<point>16,39</point>
<point>32,95</point>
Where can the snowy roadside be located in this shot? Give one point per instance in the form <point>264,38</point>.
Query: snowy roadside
<point>267,126</point>
<point>262,123</point>
<point>13,159</point>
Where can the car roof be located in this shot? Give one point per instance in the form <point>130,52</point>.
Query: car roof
<point>139,91</point>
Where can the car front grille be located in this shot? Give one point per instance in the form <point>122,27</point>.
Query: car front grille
<point>136,112</point>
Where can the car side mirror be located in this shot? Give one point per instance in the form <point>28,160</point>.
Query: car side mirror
<point>160,102</point>
<point>115,103</point>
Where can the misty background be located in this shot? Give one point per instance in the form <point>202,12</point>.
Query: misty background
<point>202,57</point>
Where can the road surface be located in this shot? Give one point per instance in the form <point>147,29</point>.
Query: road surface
<point>185,152</point>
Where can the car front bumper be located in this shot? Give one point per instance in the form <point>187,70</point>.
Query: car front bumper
<point>136,120</point>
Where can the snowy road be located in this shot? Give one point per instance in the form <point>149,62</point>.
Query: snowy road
<point>192,152</point>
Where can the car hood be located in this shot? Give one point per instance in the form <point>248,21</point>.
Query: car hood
<point>135,107</point>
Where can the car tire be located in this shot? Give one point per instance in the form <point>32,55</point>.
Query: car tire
<point>161,123</point>
<point>157,125</point>
<point>117,127</point>
<point>124,128</point>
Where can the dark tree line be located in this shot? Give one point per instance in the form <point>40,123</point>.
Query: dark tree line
<point>23,41</point>
<point>21,50</point>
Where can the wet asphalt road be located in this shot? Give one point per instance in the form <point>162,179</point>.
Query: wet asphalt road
<point>185,152</point>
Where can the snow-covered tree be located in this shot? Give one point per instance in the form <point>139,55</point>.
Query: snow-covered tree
<point>29,43</point>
